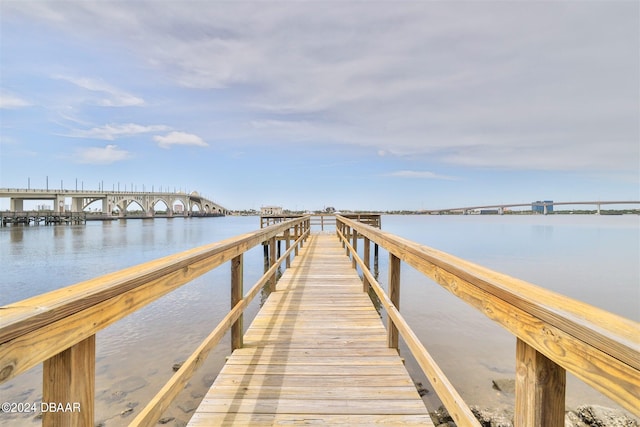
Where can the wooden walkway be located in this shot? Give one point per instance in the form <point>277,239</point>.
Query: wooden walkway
<point>316,353</point>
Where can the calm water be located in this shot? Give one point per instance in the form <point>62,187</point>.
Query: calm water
<point>591,258</point>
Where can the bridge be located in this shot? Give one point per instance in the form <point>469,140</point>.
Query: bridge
<point>317,351</point>
<point>114,201</point>
<point>545,205</point>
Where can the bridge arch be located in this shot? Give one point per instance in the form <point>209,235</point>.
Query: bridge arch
<point>153,206</point>
<point>89,201</point>
<point>125,203</point>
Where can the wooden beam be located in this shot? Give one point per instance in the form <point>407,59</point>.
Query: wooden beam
<point>68,386</point>
<point>287,261</point>
<point>540,389</point>
<point>237,267</point>
<point>394,296</point>
<point>354,264</point>
<point>272,261</point>
<point>367,264</point>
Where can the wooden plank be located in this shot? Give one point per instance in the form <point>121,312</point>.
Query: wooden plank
<point>234,419</point>
<point>311,370</point>
<point>380,380</point>
<point>316,352</point>
<point>278,351</point>
<point>306,360</point>
<point>316,392</point>
<point>346,405</point>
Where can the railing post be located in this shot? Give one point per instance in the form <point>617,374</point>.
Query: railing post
<point>354,243</point>
<point>394,296</point>
<point>272,261</point>
<point>296,232</point>
<point>237,267</point>
<point>367,264</point>
<point>287,245</point>
<point>540,389</point>
<point>347,236</point>
<point>69,380</point>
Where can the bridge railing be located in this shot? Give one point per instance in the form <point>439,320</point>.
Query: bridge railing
<point>58,328</point>
<point>554,333</point>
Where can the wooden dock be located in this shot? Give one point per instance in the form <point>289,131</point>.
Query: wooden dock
<point>316,353</point>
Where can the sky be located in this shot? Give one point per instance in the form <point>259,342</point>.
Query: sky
<point>303,104</point>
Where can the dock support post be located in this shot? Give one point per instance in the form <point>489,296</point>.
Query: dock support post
<point>272,261</point>
<point>375,260</point>
<point>367,262</point>
<point>287,245</point>
<point>394,296</point>
<point>237,267</point>
<point>347,236</point>
<point>69,379</point>
<point>540,389</point>
<point>354,243</point>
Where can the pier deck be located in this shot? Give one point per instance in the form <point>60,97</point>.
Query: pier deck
<point>316,353</point>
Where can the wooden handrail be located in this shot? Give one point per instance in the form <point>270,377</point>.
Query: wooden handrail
<point>150,415</point>
<point>59,327</point>
<point>598,347</point>
<point>457,408</point>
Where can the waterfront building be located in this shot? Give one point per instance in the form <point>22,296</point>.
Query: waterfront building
<point>539,206</point>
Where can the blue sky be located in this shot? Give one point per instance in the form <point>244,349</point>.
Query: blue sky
<point>357,105</point>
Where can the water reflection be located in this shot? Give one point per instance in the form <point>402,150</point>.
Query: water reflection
<point>16,234</point>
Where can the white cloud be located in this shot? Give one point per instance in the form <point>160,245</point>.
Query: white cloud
<point>101,155</point>
<point>111,132</point>
<point>179,138</point>
<point>422,175</point>
<point>111,96</point>
<point>480,84</point>
<point>8,101</point>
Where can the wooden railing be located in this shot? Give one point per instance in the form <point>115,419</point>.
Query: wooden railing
<point>58,328</point>
<point>554,333</point>
<point>323,220</point>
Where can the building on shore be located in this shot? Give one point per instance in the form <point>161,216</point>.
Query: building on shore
<point>270,210</point>
<point>542,206</point>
